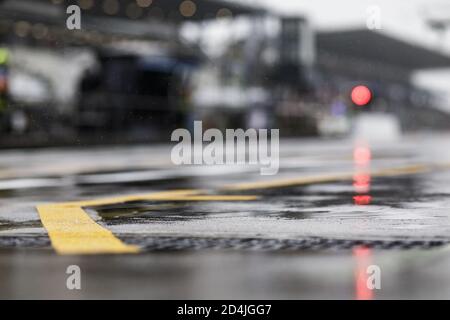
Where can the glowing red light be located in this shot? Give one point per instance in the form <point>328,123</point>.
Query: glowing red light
<point>361,182</point>
<point>362,200</point>
<point>362,178</point>
<point>361,95</point>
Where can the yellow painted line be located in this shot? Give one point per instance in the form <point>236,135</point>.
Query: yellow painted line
<point>290,182</point>
<point>165,195</point>
<point>7,174</point>
<point>407,170</point>
<point>214,198</point>
<point>72,231</point>
<point>282,183</point>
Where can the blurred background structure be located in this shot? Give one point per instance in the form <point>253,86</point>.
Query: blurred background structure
<point>138,69</point>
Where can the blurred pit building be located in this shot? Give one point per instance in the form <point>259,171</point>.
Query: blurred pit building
<point>131,75</point>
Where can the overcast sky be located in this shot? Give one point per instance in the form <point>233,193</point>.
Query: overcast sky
<point>405,18</point>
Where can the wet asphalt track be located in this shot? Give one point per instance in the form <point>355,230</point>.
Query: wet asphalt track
<point>304,237</point>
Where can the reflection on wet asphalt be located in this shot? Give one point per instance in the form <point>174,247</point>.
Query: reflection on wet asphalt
<point>291,242</point>
<point>321,210</point>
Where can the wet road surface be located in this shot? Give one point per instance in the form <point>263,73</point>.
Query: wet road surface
<point>335,206</point>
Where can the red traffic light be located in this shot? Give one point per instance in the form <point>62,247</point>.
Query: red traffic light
<point>361,95</point>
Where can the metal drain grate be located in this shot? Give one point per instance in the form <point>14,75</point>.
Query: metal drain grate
<point>148,243</point>
<point>24,242</point>
<point>253,244</point>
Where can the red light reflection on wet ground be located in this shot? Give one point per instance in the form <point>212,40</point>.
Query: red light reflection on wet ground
<point>362,200</point>
<point>363,257</point>
<point>361,182</point>
<point>362,156</point>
